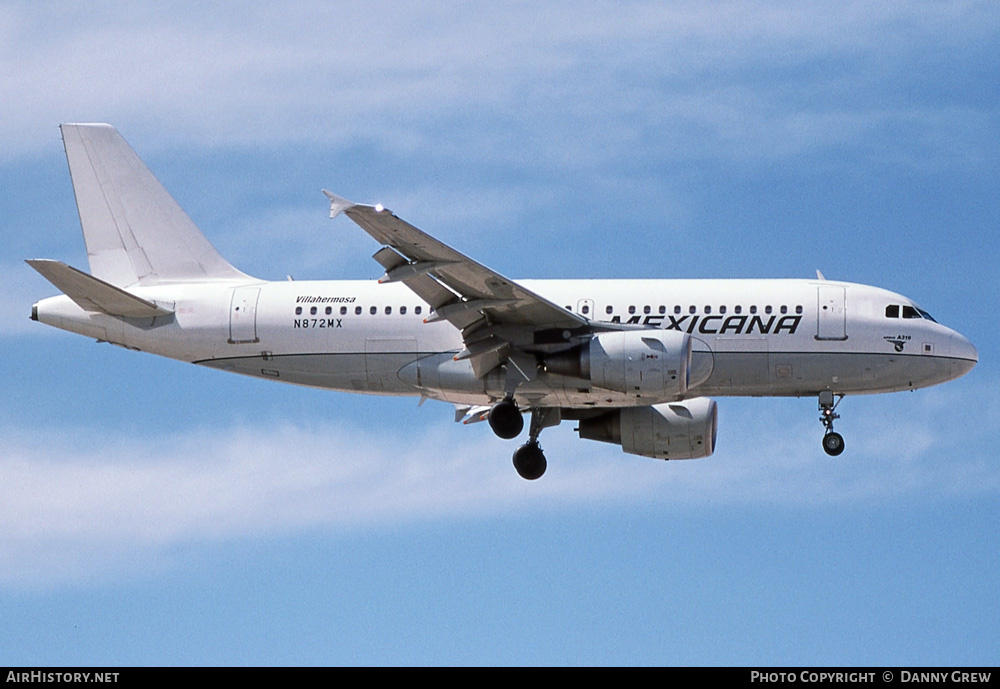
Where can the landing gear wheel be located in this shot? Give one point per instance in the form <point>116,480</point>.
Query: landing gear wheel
<point>505,419</point>
<point>529,460</point>
<point>833,443</point>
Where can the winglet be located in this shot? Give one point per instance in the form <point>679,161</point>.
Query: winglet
<point>819,275</point>
<point>338,204</point>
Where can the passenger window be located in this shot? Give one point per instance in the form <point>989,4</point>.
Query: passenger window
<point>329,310</point>
<point>388,310</point>
<point>402,310</point>
<point>892,311</point>
<point>767,309</point>
<point>608,309</point>
<point>417,310</point>
<point>677,309</point>
<point>663,309</point>
<point>753,309</point>
<point>631,309</point>
<point>646,309</point>
<point>784,310</point>
<point>357,310</point>
<point>737,310</point>
<point>343,310</point>
<point>798,309</point>
<point>722,309</point>
<point>312,311</point>
<point>373,310</point>
<point>585,309</point>
<point>298,310</point>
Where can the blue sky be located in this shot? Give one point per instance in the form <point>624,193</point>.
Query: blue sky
<point>157,513</point>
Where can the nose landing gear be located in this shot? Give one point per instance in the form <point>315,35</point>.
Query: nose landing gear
<point>833,443</point>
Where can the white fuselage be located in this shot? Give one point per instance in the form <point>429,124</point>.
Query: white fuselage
<point>751,337</point>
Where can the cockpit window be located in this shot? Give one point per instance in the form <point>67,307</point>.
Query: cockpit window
<point>893,311</point>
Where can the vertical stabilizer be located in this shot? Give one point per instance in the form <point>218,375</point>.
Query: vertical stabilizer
<point>134,230</point>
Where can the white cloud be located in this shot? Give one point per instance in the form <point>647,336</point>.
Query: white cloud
<point>508,82</point>
<point>81,505</point>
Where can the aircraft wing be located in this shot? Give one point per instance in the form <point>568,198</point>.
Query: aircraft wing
<point>459,289</point>
<point>500,320</point>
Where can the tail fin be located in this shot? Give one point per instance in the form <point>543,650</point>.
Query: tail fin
<point>134,230</point>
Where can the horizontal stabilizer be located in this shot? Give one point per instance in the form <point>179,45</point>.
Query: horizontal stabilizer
<point>92,294</point>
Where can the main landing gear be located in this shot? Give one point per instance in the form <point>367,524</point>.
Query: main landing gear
<point>833,443</point>
<point>529,460</point>
<point>506,421</point>
<point>505,418</point>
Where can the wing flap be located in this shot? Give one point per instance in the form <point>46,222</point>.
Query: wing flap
<point>424,286</point>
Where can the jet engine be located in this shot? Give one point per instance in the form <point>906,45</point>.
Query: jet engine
<point>643,363</point>
<point>674,430</point>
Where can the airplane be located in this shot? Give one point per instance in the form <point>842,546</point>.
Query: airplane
<point>634,362</point>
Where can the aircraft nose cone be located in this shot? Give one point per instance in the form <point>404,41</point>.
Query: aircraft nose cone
<point>964,352</point>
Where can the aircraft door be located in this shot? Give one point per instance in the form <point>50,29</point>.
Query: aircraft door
<point>831,313</point>
<point>585,307</point>
<point>243,315</point>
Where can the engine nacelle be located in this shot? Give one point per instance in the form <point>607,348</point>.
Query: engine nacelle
<point>642,363</point>
<point>674,430</point>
